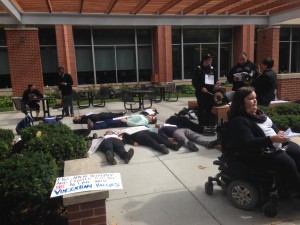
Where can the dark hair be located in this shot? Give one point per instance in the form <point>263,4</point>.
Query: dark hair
<point>237,106</point>
<point>269,62</point>
<point>61,68</point>
<point>29,86</point>
<point>206,57</point>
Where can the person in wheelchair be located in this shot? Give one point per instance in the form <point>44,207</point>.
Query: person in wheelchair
<point>259,143</point>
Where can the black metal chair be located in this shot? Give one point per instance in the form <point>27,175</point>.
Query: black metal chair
<point>129,101</point>
<point>155,95</point>
<point>20,106</point>
<point>171,94</point>
<point>100,96</point>
<point>82,99</point>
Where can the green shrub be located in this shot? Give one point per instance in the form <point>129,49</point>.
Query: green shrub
<point>26,183</point>
<point>7,135</point>
<point>4,150</point>
<point>51,128</point>
<point>6,101</point>
<point>61,147</point>
<point>6,139</point>
<point>288,109</point>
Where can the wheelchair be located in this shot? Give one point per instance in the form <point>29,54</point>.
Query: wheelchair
<point>246,187</point>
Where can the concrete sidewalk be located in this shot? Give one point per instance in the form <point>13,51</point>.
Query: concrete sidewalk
<point>169,189</point>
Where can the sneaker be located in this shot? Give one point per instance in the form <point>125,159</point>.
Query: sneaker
<point>110,158</point>
<point>90,124</point>
<point>129,155</point>
<point>164,149</point>
<point>212,144</point>
<point>192,147</point>
<point>95,136</point>
<point>178,146</point>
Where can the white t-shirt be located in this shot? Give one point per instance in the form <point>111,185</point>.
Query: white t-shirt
<point>269,131</point>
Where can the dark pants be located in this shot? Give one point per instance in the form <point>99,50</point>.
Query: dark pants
<point>34,105</point>
<point>183,122</point>
<point>67,102</point>
<point>113,145</point>
<point>151,139</point>
<point>108,124</point>
<point>205,104</point>
<point>287,165</point>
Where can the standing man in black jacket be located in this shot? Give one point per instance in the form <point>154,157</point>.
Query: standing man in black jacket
<point>65,86</point>
<point>205,82</point>
<point>242,73</point>
<point>265,84</point>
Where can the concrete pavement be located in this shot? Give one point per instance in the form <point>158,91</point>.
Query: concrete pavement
<point>169,189</point>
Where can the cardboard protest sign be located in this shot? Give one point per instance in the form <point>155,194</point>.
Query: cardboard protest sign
<point>87,182</point>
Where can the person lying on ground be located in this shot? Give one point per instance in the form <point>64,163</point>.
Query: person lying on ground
<point>111,143</point>
<point>150,139</point>
<point>185,136</point>
<point>102,116</point>
<point>183,122</point>
<point>151,111</point>
<point>128,121</point>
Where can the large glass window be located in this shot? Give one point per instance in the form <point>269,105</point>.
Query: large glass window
<point>289,50</point>
<point>196,43</point>
<point>113,55</point>
<point>49,59</point>
<point>5,81</point>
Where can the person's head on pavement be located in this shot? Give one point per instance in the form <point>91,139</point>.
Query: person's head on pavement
<point>152,119</point>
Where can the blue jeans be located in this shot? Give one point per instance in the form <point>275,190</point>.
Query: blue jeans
<point>109,123</point>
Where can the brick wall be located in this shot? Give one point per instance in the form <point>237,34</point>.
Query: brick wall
<point>268,45</point>
<point>66,50</point>
<point>89,213</point>
<point>288,87</point>
<point>162,45</point>
<point>243,41</point>
<point>24,59</point>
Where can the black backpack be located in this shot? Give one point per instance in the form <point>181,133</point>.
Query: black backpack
<point>26,122</point>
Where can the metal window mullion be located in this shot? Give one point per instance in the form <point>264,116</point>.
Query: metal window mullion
<point>290,52</point>
<point>136,56</point>
<point>116,63</point>
<point>93,57</point>
<point>219,52</point>
<point>182,58</point>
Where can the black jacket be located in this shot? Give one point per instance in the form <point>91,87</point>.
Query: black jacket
<point>247,137</point>
<point>265,86</point>
<point>66,89</point>
<point>198,79</point>
<point>248,67</point>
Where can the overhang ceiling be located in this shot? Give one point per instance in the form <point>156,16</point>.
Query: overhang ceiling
<point>149,12</point>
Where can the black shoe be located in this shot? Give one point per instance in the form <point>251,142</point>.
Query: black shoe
<point>212,144</point>
<point>209,131</point>
<point>129,155</point>
<point>110,158</point>
<point>90,124</point>
<point>192,147</point>
<point>178,146</point>
<point>164,149</point>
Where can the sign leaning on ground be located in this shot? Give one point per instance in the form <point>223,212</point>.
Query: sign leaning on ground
<point>86,182</point>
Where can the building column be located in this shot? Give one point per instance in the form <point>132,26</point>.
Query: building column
<point>24,59</point>
<point>66,50</point>
<point>268,45</point>
<point>162,48</point>
<point>243,41</point>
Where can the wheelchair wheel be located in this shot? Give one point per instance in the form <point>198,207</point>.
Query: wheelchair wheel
<point>209,188</point>
<point>243,195</point>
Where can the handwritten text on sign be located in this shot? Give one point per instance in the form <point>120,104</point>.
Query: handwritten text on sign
<point>87,182</point>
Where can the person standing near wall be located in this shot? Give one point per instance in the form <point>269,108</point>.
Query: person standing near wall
<point>65,86</point>
<point>205,82</point>
<point>265,83</point>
